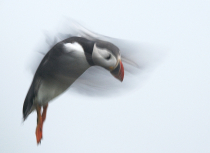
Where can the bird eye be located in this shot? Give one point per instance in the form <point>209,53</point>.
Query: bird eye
<point>108,57</point>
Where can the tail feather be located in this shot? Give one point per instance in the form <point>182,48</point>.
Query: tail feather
<point>29,101</point>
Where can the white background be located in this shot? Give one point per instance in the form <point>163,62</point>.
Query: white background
<point>169,114</point>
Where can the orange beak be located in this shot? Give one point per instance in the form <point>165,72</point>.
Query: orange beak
<point>118,72</point>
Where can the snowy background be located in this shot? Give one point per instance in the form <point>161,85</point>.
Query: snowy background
<point>168,114</point>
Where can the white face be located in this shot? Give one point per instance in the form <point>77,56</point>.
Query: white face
<point>104,58</point>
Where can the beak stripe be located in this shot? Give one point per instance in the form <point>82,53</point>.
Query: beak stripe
<point>118,72</point>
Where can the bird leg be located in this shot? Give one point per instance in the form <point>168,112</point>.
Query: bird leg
<point>39,125</point>
<point>44,113</point>
<point>40,120</point>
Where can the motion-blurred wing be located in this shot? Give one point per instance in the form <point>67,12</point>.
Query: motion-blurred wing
<point>138,60</point>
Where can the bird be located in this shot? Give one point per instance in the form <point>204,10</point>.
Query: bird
<point>62,65</point>
<point>81,59</point>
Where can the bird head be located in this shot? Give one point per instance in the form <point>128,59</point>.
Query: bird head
<point>107,55</point>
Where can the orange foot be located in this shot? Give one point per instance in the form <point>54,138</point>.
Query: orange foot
<point>40,121</point>
<point>39,133</point>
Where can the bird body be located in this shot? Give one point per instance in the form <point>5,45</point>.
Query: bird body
<point>61,66</point>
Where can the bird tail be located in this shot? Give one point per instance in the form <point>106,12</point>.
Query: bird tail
<point>28,103</point>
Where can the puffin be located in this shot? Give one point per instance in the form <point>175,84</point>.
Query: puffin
<point>62,65</point>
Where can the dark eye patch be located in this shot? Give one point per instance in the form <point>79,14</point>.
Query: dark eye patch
<point>108,57</point>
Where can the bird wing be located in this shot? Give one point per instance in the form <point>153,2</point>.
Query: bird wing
<point>138,60</point>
